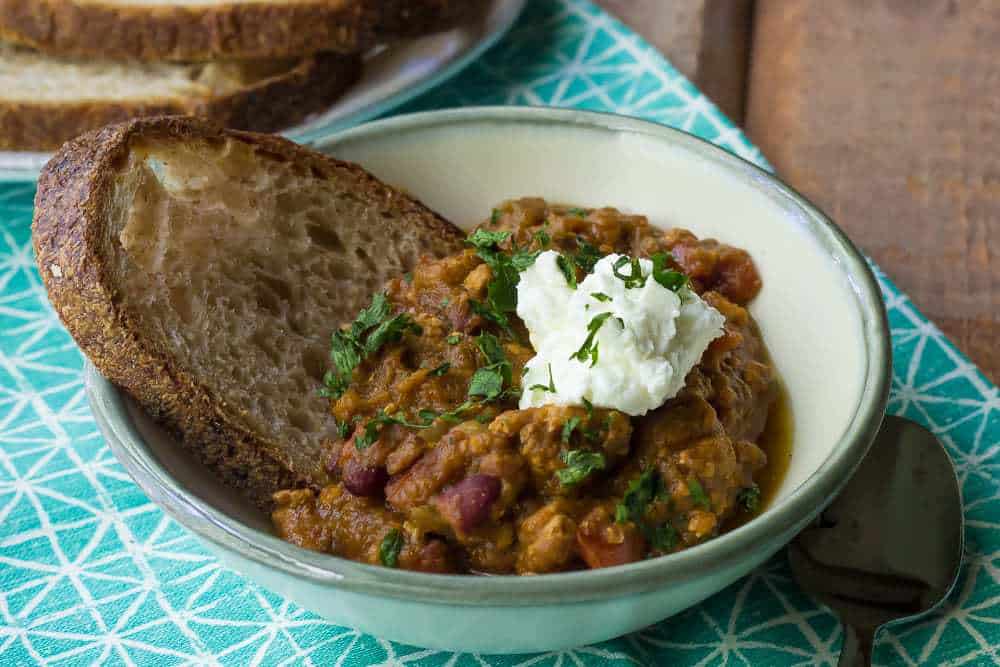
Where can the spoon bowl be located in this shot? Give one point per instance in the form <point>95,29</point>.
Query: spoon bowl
<point>889,548</point>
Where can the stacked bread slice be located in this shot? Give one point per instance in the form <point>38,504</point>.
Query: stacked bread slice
<point>68,66</point>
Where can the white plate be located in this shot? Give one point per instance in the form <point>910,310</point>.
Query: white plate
<point>391,77</point>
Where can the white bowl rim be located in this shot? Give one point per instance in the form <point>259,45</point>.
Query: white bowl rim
<point>726,550</point>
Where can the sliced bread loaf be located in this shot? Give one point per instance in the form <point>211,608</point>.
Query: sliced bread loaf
<point>44,101</point>
<point>183,30</point>
<point>204,271</point>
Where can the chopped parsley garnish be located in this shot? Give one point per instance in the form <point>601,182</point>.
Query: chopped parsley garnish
<point>698,494</point>
<point>669,278</point>
<point>501,293</point>
<point>495,217</point>
<point>586,256</point>
<point>600,296</point>
<point>373,427</point>
<point>522,259</point>
<point>491,314</point>
<point>408,277</point>
<point>662,537</point>
<point>343,428</point>
<point>589,407</point>
<point>454,339</point>
<point>489,380</point>
<point>550,387</point>
<point>483,239</point>
<point>372,329</point>
<point>569,427</point>
<point>440,370</point>
<point>388,550</point>
<point>580,463</point>
<point>749,498</point>
<point>543,238</point>
<point>568,270</point>
<point>445,302</point>
<point>486,382</point>
<point>640,493</point>
<point>589,348</point>
<point>578,212</point>
<point>635,277</point>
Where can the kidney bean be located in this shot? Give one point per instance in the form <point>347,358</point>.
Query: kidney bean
<point>468,502</point>
<point>364,480</point>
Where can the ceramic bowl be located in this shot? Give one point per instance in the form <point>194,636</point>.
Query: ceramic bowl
<point>820,312</point>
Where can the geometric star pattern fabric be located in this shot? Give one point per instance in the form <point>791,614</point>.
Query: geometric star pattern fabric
<point>91,572</point>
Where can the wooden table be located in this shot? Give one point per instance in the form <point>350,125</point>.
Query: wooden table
<point>886,114</point>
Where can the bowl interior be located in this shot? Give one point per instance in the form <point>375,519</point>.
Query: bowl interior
<point>808,310</point>
<point>819,310</point>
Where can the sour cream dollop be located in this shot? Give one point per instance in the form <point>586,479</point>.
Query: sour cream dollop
<point>647,343</point>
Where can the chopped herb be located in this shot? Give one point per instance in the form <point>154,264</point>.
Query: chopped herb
<point>388,550</point>
<point>440,370</point>
<point>586,256</point>
<point>543,238</point>
<point>569,427</point>
<point>491,314</point>
<point>749,498</point>
<point>486,382</point>
<point>580,463</point>
<point>633,279</point>
<point>366,335</point>
<point>589,407</point>
<point>343,428</point>
<point>455,415</point>
<point>495,217</point>
<point>640,493</point>
<point>373,427</point>
<point>502,289</point>
<point>698,494</point>
<point>408,277</point>
<point>672,280</point>
<point>578,212</point>
<point>427,415</point>
<point>568,270</point>
<point>522,259</point>
<point>484,419</point>
<point>589,347</point>
<point>600,296</point>
<point>483,239</point>
<point>445,302</point>
<point>454,339</point>
<point>551,387</point>
<point>490,346</point>
<point>662,537</point>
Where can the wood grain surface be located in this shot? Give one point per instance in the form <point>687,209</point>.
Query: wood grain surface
<point>887,114</point>
<point>706,40</point>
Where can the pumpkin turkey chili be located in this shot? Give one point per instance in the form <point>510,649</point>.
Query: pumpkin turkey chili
<point>459,451</point>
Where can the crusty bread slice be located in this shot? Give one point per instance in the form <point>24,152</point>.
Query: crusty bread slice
<point>182,30</point>
<point>204,271</point>
<point>45,101</point>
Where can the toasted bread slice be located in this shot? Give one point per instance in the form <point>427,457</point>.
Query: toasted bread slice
<point>45,101</point>
<point>182,30</point>
<point>204,271</point>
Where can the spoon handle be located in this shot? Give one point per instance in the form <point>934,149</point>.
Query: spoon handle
<point>857,648</point>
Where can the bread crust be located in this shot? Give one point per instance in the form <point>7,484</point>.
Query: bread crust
<point>267,105</point>
<point>71,213</point>
<point>224,29</point>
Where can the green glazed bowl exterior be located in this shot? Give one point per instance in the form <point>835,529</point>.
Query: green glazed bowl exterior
<point>506,614</point>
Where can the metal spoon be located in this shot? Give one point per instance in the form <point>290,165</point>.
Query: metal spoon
<point>889,548</point>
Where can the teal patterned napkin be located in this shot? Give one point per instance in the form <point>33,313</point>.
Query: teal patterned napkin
<point>91,572</point>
